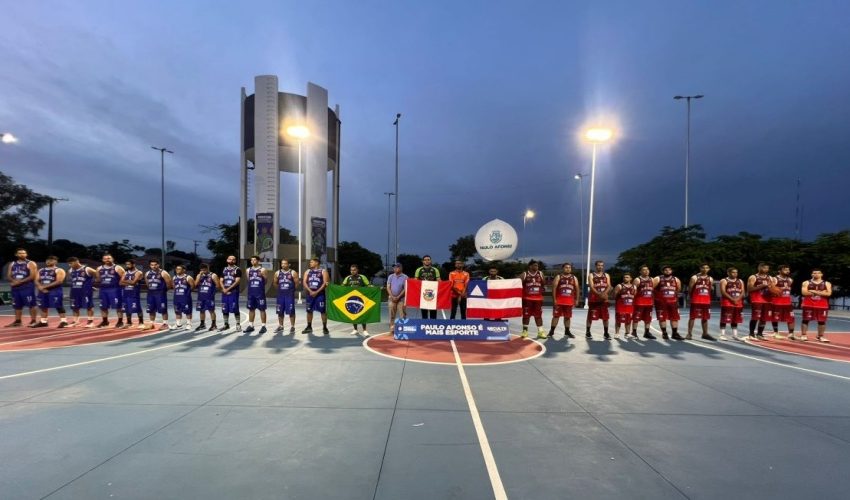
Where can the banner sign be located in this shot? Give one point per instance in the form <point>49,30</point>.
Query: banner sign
<point>450,329</point>
<point>319,238</point>
<point>264,245</point>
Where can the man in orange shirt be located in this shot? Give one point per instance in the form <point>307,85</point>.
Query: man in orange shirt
<point>459,279</point>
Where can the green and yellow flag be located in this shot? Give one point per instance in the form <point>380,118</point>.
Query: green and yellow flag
<point>354,304</point>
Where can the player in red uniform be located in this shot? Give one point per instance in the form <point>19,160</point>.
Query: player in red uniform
<point>816,293</point>
<point>731,303</point>
<point>565,294</point>
<point>700,286</point>
<point>781,308</point>
<point>667,288</point>
<point>532,298</point>
<point>757,286</point>
<point>597,299</point>
<point>624,306</point>
<point>645,285</point>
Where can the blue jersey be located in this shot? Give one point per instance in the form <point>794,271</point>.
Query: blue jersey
<point>315,279</point>
<point>47,276</point>
<point>181,287</point>
<point>21,270</point>
<point>228,278</point>
<point>155,282</point>
<point>285,282</point>
<point>256,281</point>
<point>132,290</point>
<point>206,286</point>
<point>108,277</point>
<point>81,279</point>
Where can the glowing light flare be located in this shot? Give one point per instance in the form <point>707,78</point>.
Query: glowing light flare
<point>598,134</point>
<point>298,131</point>
<point>8,138</point>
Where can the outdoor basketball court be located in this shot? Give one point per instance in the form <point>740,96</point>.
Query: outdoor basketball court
<point>176,414</point>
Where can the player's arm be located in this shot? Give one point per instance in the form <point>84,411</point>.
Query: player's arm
<point>60,277</point>
<point>191,282</point>
<point>828,291</point>
<point>521,276</point>
<point>751,284</point>
<point>465,283</point>
<point>555,287</point>
<point>608,289</point>
<point>216,281</point>
<point>326,278</point>
<point>618,290</point>
<point>678,285</point>
<point>295,279</point>
<point>236,280</point>
<point>121,272</point>
<point>33,273</point>
<point>169,283</point>
<point>723,290</point>
<point>577,288</point>
<point>692,282</point>
<point>804,290</point>
<point>9,274</point>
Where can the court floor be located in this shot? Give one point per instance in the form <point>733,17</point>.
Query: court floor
<point>179,414</point>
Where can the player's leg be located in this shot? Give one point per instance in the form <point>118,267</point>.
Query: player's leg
<point>526,317</point>
<point>538,319</point>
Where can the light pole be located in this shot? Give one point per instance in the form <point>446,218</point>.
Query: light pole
<point>162,152</point>
<point>595,136</point>
<point>527,216</point>
<point>300,132</point>
<point>7,138</point>
<point>397,118</point>
<point>50,201</point>
<point>687,147</point>
<point>580,178</point>
<point>389,219</point>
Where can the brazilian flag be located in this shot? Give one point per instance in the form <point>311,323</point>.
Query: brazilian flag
<point>348,304</point>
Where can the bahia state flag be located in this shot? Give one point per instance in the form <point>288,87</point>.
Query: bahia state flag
<point>354,304</point>
<point>431,295</point>
<point>494,299</point>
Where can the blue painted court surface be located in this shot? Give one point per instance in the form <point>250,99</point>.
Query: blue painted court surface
<point>230,416</point>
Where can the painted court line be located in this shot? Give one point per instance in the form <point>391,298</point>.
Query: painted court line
<point>489,461</point>
<point>110,358</point>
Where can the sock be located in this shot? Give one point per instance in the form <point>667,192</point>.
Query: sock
<point>525,328</point>
<point>775,326</point>
<point>790,330</point>
<point>753,326</point>
<point>605,328</point>
<point>664,330</point>
<point>734,331</point>
<point>551,330</point>
<point>723,330</point>
<point>761,329</point>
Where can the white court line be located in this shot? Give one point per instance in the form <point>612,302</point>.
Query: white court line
<point>809,370</point>
<point>489,461</point>
<point>100,360</point>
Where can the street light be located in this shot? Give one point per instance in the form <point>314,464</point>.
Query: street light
<point>389,220</point>
<point>580,178</point>
<point>687,147</point>
<point>8,138</point>
<point>595,136</point>
<point>299,132</point>
<point>395,123</point>
<point>162,152</point>
<point>527,216</point>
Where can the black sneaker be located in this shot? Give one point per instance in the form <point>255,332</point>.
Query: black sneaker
<point>706,336</point>
<point>649,336</point>
<point>212,328</point>
<point>292,330</point>
<point>569,335</point>
<point>676,336</point>
<point>224,328</point>
<point>103,324</point>
<point>307,330</point>
<point>13,324</point>
<point>760,336</point>
<point>200,327</point>
<point>119,324</point>
<point>588,335</point>
<point>551,334</point>
<point>665,336</point>
<point>279,329</point>
<point>262,330</point>
<point>63,324</point>
<point>250,329</point>
<point>39,325</point>
<point>325,331</point>
<point>606,336</point>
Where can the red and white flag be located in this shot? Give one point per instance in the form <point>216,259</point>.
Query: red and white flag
<point>494,299</point>
<point>430,295</point>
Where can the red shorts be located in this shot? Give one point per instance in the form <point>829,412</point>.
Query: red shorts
<point>598,310</point>
<point>532,308</point>
<point>562,310</point>
<point>622,317</point>
<point>782,313</point>
<point>731,315</point>
<point>642,313</point>
<point>700,311</point>
<point>667,311</point>
<point>812,314</point>
<point>761,311</point>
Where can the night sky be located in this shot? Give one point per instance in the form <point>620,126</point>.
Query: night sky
<point>493,97</point>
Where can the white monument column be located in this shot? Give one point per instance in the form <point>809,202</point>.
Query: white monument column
<point>316,161</point>
<point>266,172</point>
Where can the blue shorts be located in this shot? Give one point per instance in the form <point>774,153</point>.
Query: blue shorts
<point>23,296</point>
<point>183,306</point>
<point>157,303</point>
<point>205,305</point>
<point>230,303</point>
<point>316,303</point>
<point>110,298</point>
<point>256,302</point>
<point>131,303</point>
<point>52,299</point>
<point>81,299</point>
<point>286,304</point>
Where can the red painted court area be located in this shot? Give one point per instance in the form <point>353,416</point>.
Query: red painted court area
<point>440,351</point>
<point>24,338</point>
<point>838,348</point>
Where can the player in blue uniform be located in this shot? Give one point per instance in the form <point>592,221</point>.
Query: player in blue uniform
<point>108,278</point>
<point>22,274</point>
<point>287,281</point>
<point>315,281</point>
<point>131,297</point>
<point>206,284</point>
<point>256,294</point>
<point>158,282</point>
<point>82,278</point>
<point>49,284</point>
<point>231,276</point>
<point>183,284</point>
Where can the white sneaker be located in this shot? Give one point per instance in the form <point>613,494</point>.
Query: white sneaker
<point>172,326</point>
<point>72,324</point>
<point>354,332</point>
<point>737,337</point>
<point>723,337</point>
<point>365,333</point>
<point>90,325</point>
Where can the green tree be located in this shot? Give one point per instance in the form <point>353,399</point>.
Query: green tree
<point>409,263</point>
<point>350,252</point>
<point>18,222</point>
<point>120,250</point>
<point>225,241</point>
<point>831,253</point>
<point>463,248</point>
<point>682,248</point>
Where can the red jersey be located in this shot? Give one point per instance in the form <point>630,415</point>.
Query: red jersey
<point>565,294</point>
<point>701,291</point>
<point>532,286</point>
<point>626,299</point>
<point>666,291</point>
<point>735,288</point>
<point>598,282</point>
<point>816,301</point>
<point>644,291</point>
<point>783,284</point>
<point>760,296</point>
